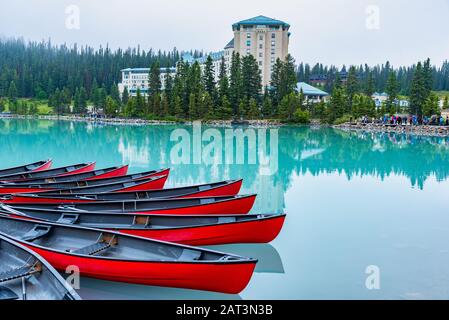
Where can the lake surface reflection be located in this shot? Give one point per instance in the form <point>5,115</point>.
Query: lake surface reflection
<point>353,200</point>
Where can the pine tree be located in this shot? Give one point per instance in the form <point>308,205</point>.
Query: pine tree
<point>12,91</point>
<point>370,87</point>
<point>125,96</point>
<point>209,76</point>
<point>111,107</point>
<point>168,88</point>
<point>178,109</point>
<point>336,106</point>
<point>156,104</point>
<point>223,81</point>
<point>139,104</point>
<point>207,111</point>
<point>288,107</point>
<point>193,108</point>
<point>267,106</point>
<point>251,78</point>
<point>431,105</point>
<point>392,89</point>
<point>418,92</point>
<point>165,107</point>
<point>289,80</point>
<point>352,87</point>
<point>446,102</point>
<point>154,79</point>
<point>115,94</point>
<point>276,81</point>
<point>82,100</point>
<point>235,83</point>
<point>253,112</point>
<point>224,111</point>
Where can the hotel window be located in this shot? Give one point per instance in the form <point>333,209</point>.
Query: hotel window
<point>260,46</point>
<point>248,43</point>
<point>273,36</point>
<point>273,51</point>
<point>248,35</point>
<point>260,54</point>
<point>261,37</point>
<point>272,60</point>
<point>248,51</point>
<point>273,43</point>
<point>260,63</point>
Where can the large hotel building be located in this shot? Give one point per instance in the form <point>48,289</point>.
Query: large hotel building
<point>265,38</point>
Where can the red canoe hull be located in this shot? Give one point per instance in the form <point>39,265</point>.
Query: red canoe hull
<point>263,231</point>
<point>234,206</point>
<point>219,277</point>
<point>119,172</point>
<point>150,185</point>
<point>13,190</point>
<point>231,189</point>
<point>45,166</point>
<point>155,184</point>
<point>88,168</point>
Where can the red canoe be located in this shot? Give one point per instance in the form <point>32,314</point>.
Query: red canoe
<point>34,177</point>
<point>155,183</point>
<point>117,257</point>
<point>230,205</point>
<point>32,167</point>
<point>20,187</point>
<point>196,230</point>
<point>218,189</point>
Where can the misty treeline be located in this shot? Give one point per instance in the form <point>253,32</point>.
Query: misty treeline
<point>71,76</point>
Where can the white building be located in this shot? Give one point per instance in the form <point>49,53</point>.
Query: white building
<point>137,78</point>
<point>265,38</point>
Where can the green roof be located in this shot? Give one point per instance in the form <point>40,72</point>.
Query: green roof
<point>261,20</point>
<point>309,90</point>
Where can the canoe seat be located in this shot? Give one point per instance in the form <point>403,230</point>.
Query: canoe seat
<point>16,273</point>
<point>67,218</point>
<point>189,255</point>
<point>226,219</point>
<point>37,232</point>
<point>7,294</point>
<point>207,201</point>
<point>93,249</point>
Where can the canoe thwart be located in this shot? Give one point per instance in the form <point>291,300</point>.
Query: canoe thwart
<point>37,232</point>
<point>93,249</point>
<point>19,272</point>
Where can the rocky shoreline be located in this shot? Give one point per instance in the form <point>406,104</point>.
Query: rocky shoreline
<point>421,130</point>
<point>142,122</point>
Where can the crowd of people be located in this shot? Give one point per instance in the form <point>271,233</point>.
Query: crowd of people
<point>411,120</point>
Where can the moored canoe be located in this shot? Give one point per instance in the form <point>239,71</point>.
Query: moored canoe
<point>32,167</point>
<point>117,257</point>
<point>198,230</point>
<point>218,189</point>
<point>228,205</point>
<point>24,275</point>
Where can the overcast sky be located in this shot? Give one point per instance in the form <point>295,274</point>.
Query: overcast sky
<point>328,31</point>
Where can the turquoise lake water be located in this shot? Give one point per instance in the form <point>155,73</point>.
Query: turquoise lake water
<point>353,200</point>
